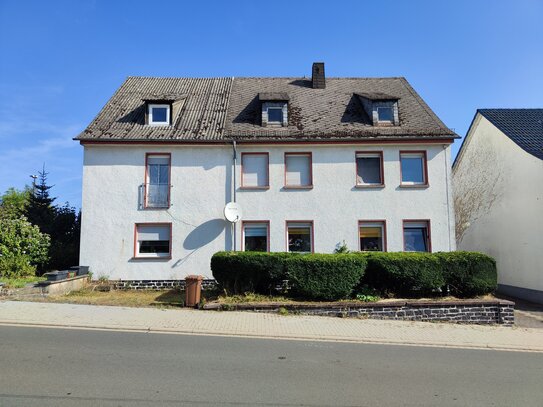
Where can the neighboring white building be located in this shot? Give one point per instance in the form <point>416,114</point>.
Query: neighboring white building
<point>498,196</point>
<point>312,163</point>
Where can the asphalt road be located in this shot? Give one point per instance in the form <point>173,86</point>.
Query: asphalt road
<point>59,367</point>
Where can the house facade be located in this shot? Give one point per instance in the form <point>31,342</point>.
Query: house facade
<point>498,196</point>
<point>311,162</point>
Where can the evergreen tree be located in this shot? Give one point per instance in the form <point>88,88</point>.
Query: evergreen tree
<point>61,223</point>
<point>65,238</point>
<point>41,211</point>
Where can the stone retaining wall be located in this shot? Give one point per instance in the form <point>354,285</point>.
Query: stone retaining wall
<point>465,312</point>
<point>158,284</point>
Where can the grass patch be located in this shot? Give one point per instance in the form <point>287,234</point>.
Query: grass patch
<point>20,282</point>
<point>132,298</point>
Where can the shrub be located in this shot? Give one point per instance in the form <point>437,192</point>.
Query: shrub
<point>406,274</point>
<point>241,272</point>
<point>468,273</point>
<point>325,276</point>
<point>15,265</point>
<point>22,246</point>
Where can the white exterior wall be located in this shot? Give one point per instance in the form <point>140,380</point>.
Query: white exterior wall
<point>498,190</point>
<point>201,179</point>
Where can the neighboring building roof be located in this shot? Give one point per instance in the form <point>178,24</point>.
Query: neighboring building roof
<point>523,126</point>
<point>215,109</point>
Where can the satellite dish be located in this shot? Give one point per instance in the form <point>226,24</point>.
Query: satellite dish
<point>232,212</point>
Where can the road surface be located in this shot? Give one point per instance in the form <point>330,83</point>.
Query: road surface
<point>61,367</point>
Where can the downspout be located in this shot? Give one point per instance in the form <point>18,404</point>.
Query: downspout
<point>447,192</point>
<point>235,160</point>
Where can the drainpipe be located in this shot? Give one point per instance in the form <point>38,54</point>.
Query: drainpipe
<point>235,159</point>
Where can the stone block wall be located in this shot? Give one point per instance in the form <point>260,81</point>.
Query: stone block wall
<point>465,312</point>
<point>158,284</point>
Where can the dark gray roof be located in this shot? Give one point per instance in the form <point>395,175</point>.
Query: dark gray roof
<point>523,126</point>
<point>201,116</point>
<point>215,109</point>
<point>270,96</point>
<point>376,96</point>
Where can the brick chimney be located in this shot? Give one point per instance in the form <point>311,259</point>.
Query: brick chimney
<point>317,75</point>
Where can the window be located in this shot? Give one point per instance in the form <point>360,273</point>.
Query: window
<point>159,114</point>
<point>275,115</point>
<point>414,168</point>
<point>274,109</point>
<point>254,170</point>
<point>416,236</point>
<point>369,169</point>
<point>255,236</point>
<point>300,236</point>
<point>372,235</point>
<point>298,172</point>
<point>385,114</point>
<point>152,240</point>
<point>157,181</point>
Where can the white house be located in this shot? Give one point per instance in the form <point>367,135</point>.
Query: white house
<point>312,163</point>
<point>498,196</point>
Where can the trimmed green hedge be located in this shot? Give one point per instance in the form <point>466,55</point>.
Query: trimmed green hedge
<point>336,276</point>
<point>325,276</point>
<point>404,274</point>
<point>241,272</point>
<point>468,273</point>
<point>318,276</point>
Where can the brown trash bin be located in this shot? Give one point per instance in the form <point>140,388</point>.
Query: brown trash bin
<point>193,289</point>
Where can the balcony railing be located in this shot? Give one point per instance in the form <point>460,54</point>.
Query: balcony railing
<point>156,195</point>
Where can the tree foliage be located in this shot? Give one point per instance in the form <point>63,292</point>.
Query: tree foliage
<point>22,246</point>
<point>36,234</point>
<point>61,223</point>
<point>14,202</point>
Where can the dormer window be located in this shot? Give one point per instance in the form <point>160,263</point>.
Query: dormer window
<point>385,114</point>
<point>382,109</point>
<point>158,114</point>
<point>275,115</point>
<point>274,109</point>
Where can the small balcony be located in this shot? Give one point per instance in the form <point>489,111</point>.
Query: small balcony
<point>156,195</point>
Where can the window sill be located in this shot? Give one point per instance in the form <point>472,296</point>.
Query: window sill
<point>298,187</point>
<point>414,186</point>
<point>156,207</point>
<point>151,258</point>
<point>369,186</point>
<point>254,188</point>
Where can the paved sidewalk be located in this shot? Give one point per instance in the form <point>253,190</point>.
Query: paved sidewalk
<point>247,324</point>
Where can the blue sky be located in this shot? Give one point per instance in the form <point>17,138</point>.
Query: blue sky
<point>60,61</point>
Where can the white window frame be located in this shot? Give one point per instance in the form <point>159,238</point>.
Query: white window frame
<point>244,184</point>
<point>309,155</point>
<point>139,255</point>
<point>418,224</point>
<point>280,122</point>
<point>370,154</point>
<point>385,107</point>
<point>256,223</point>
<point>423,157</point>
<point>301,224</point>
<point>373,224</point>
<point>150,108</point>
<point>147,185</point>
